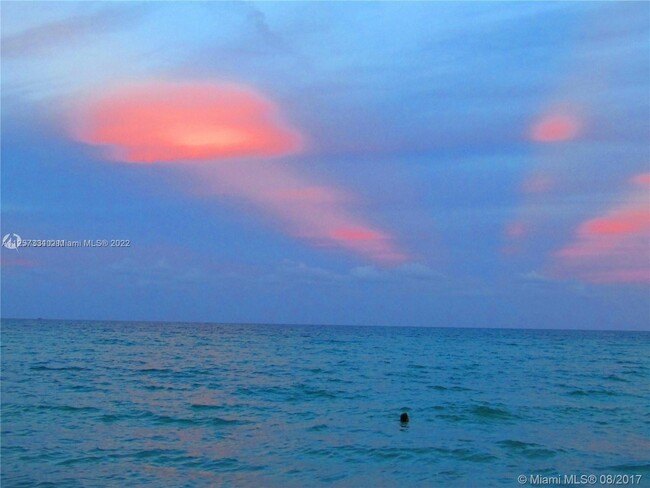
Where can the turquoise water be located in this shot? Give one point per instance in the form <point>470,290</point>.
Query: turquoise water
<point>132,404</point>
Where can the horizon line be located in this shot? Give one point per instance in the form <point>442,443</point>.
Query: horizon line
<point>286,324</point>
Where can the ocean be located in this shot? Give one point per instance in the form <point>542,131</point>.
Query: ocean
<point>114,404</point>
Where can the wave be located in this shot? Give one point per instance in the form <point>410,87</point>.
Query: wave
<point>590,393</point>
<point>58,368</point>
<point>491,413</point>
<point>204,406</point>
<point>529,450</point>
<point>447,388</point>
<point>82,460</point>
<point>153,370</point>
<point>65,408</point>
<point>222,421</point>
<point>470,455</point>
<point>315,392</point>
<point>158,419</point>
<point>613,377</point>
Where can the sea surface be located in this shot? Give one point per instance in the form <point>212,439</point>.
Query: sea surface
<point>126,404</point>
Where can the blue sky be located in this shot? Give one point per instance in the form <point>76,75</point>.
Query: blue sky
<point>431,164</point>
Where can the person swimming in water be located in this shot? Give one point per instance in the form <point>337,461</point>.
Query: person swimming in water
<point>404,418</point>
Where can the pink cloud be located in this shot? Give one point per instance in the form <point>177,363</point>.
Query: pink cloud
<point>320,215</point>
<point>611,248</point>
<point>8,261</point>
<point>538,184</point>
<point>237,135</point>
<point>621,222</point>
<point>618,276</point>
<point>311,194</point>
<point>155,122</point>
<point>514,233</point>
<point>642,179</point>
<point>356,234</point>
<point>516,229</point>
<point>556,127</point>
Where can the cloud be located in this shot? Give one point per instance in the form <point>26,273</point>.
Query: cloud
<point>367,273</point>
<point>14,261</point>
<point>404,272</point>
<point>620,223</point>
<point>303,273</point>
<point>319,214</point>
<point>157,121</point>
<point>516,229</point>
<point>537,183</point>
<point>613,247</point>
<point>534,277</point>
<point>642,179</point>
<point>556,127</point>
<point>43,38</point>
<point>237,135</point>
<point>156,272</point>
<point>589,135</point>
<point>397,275</point>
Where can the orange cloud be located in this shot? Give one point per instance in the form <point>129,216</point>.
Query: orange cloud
<point>155,122</point>
<point>239,131</point>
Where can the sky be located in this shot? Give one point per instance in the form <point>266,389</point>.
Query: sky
<point>409,164</point>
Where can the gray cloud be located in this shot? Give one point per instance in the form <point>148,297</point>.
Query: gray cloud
<point>43,38</point>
